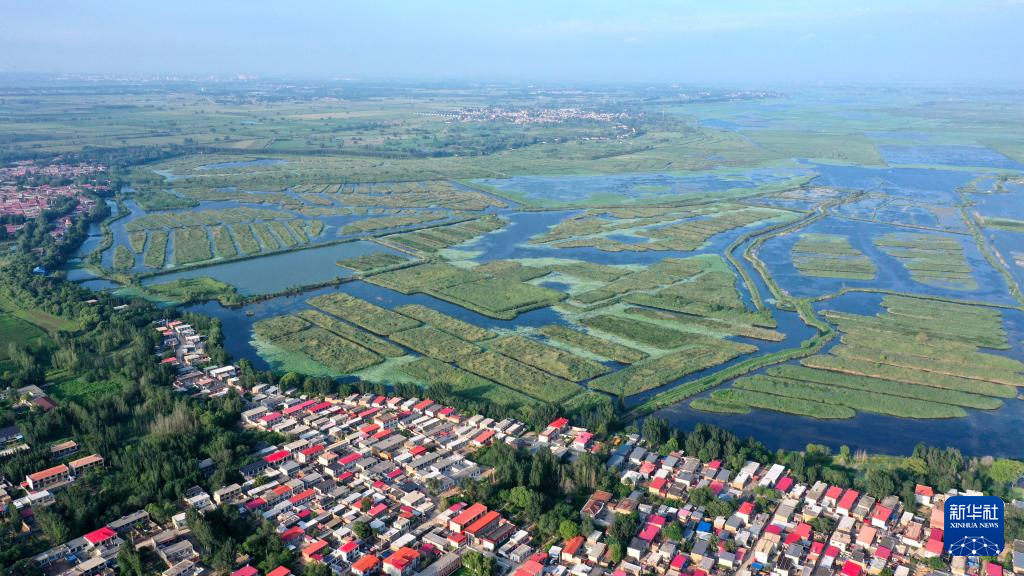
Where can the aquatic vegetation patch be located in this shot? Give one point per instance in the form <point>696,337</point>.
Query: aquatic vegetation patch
<point>361,313</point>
<point>593,344</point>
<point>433,372</point>
<point>521,377</point>
<point>930,258</point>
<point>124,259</point>
<point>707,325</point>
<point>830,256</point>
<point>435,343</point>
<point>191,245</point>
<point>553,360</point>
<point>222,242</point>
<point>430,240</point>
<point>156,249</point>
<point>444,322</point>
<point>373,261</point>
<point>350,332</point>
<point>860,400</point>
<point>656,372</point>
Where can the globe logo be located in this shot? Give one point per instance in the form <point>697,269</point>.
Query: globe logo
<point>976,546</point>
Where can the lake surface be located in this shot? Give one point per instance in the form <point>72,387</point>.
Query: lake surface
<point>897,197</point>
<point>570,189</point>
<point>278,272</point>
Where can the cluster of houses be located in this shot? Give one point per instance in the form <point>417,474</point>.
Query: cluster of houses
<point>29,200</point>
<point>818,529</point>
<point>357,483</point>
<point>184,349</point>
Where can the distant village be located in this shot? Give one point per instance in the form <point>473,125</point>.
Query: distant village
<point>26,190</point>
<point>529,115</point>
<point>385,462</point>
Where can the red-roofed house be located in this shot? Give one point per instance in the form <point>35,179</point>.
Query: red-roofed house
<point>279,571</point>
<point>402,562</point>
<point>302,497</point>
<point>306,455</point>
<point>483,438</point>
<point>832,496</point>
<point>277,457</point>
<point>880,515</point>
<point>847,502</point>
<point>559,423</point>
<point>268,420</point>
<point>350,459</point>
<point>467,517</point>
<point>366,566</point>
<point>100,536</point>
<point>570,552</point>
<point>246,571</point>
<point>529,568</point>
<point>745,511</point>
<point>582,440</point>
<point>923,494</point>
<point>50,477</point>
<point>851,569</point>
<point>483,522</point>
<point>314,551</point>
<point>658,486</point>
<point>300,406</point>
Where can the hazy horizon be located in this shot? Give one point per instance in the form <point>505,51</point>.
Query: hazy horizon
<point>744,42</point>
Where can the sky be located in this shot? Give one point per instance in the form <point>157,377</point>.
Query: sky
<point>943,42</point>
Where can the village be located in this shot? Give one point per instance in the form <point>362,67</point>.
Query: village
<point>27,189</point>
<point>369,484</point>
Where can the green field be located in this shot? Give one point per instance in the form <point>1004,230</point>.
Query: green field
<point>191,245</point>
<point>927,350</point>
<point>495,295</point>
<point>20,333</point>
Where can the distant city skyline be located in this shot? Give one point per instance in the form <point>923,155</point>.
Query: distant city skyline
<point>689,41</point>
